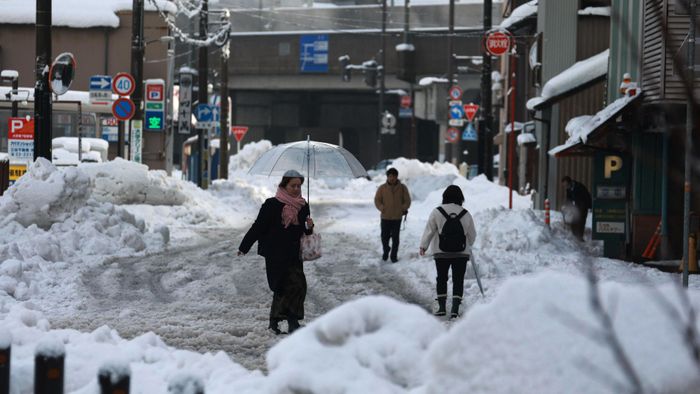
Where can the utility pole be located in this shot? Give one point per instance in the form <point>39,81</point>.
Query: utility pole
<point>689,125</point>
<point>170,125</point>
<point>137,54</point>
<point>382,73</point>
<point>450,73</point>
<point>203,82</point>
<point>42,92</point>
<point>485,144</point>
<point>225,130</point>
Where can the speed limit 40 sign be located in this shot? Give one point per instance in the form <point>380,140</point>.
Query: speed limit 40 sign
<point>123,84</point>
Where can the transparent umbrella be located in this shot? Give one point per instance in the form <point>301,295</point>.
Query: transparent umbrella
<point>313,158</point>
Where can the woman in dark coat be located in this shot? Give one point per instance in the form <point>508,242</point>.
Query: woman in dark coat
<point>281,222</point>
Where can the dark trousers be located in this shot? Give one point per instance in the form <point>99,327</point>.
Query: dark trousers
<point>289,295</point>
<point>459,267</point>
<point>391,229</point>
<point>578,225</point>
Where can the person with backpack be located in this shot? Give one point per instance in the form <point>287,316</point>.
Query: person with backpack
<point>392,200</point>
<point>451,248</point>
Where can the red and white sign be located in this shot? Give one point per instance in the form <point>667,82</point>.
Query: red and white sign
<point>20,129</point>
<point>497,42</point>
<point>239,132</point>
<point>123,84</point>
<point>154,92</point>
<point>406,101</point>
<point>455,93</point>
<point>452,134</point>
<point>123,108</point>
<point>470,110</point>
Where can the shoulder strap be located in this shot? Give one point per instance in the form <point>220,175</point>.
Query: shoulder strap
<point>461,214</point>
<point>442,211</point>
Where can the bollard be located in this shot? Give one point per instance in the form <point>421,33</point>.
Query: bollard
<point>5,357</point>
<point>186,384</point>
<point>546,212</point>
<point>114,377</point>
<point>49,360</point>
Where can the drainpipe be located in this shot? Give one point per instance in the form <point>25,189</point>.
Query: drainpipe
<point>689,139</point>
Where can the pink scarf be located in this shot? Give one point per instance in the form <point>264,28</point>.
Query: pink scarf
<point>292,205</point>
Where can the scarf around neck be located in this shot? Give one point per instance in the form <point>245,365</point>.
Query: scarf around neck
<point>292,205</point>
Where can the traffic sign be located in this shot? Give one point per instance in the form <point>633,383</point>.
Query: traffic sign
<point>154,117</point>
<point>239,132</point>
<point>452,134</point>
<point>470,110</point>
<point>204,113</point>
<point>123,109</point>
<point>455,122</point>
<point>154,120</point>
<point>123,84</point>
<point>21,138</point>
<point>406,101</point>
<point>497,42</point>
<point>456,112</point>
<point>455,92</point>
<point>469,133</point>
<point>154,91</point>
<point>100,89</point>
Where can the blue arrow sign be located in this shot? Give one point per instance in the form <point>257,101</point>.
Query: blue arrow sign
<point>456,111</point>
<point>102,83</point>
<point>204,113</point>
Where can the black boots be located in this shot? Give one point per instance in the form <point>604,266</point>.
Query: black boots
<point>293,325</point>
<point>442,300</point>
<point>456,300</point>
<point>274,326</point>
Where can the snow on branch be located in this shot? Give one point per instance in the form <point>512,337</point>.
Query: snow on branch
<point>218,38</point>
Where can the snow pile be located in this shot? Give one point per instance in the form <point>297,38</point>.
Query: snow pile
<point>374,344</point>
<point>540,335</point>
<point>126,182</point>
<point>249,154</point>
<point>423,178</point>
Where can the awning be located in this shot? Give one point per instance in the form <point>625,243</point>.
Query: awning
<point>582,129</point>
<point>520,15</point>
<point>574,79</point>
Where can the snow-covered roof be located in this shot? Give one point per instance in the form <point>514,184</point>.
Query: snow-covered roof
<point>595,11</point>
<point>581,127</point>
<point>573,78</point>
<point>77,13</point>
<point>520,14</point>
<point>431,80</point>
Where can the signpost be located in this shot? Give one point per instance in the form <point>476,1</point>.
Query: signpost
<point>184,114</point>
<point>101,89</point>
<point>20,146</point>
<point>405,110</point>
<point>155,105</point>
<point>239,132</point>
<point>610,202</point>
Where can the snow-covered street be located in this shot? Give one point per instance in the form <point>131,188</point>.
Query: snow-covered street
<point>172,297</point>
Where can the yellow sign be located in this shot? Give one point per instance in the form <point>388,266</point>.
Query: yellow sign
<point>16,171</point>
<point>612,164</point>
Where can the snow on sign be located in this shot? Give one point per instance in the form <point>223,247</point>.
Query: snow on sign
<point>497,42</point>
<point>123,84</point>
<point>21,138</point>
<point>239,132</point>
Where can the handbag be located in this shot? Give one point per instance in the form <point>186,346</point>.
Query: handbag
<point>310,247</point>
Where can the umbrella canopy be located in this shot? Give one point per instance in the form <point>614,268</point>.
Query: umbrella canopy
<point>311,158</point>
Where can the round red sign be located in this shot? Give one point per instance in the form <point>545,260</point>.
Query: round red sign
<point>497,43</point>
<point>452,134</point>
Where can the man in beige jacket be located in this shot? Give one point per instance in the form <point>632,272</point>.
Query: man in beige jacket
<point>392,200</point>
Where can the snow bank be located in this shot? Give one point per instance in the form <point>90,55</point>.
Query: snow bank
<point>422,178</point>
<point>249,154</point>
<point>374,344</point>
<point>535,337</point>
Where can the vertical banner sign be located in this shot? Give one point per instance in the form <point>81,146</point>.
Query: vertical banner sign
<point>21,139</point>
<point>313,53</point>
<point>137,137</point>
<point>154,115</point>
<point>110,129</point>
<point>184,113</point>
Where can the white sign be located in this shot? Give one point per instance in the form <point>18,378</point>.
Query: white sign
<point>137,137</point>
<point>456,122</point>
<point>610,227</point>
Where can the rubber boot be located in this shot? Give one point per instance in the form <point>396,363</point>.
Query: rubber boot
<point>274,326</point>
<point>455,307</point>
<point>442,311</point>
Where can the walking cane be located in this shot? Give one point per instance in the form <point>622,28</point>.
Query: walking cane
<point>476,274</point>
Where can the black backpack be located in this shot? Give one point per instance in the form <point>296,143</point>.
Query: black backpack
<point>452,238</point>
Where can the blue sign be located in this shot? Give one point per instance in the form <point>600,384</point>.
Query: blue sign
<point>469,133</point>
<point>101,83</point>
<point>456,111</point>
<point>204,113</point>
<point>313,53</point>
<point>405,112</point>
<point>154,120</point>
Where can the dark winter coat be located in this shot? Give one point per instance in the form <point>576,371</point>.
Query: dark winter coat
<point>279,245</point>
<point>579,195</point>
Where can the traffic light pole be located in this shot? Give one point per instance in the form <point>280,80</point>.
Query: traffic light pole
<point>382,58</point>
<point>485,144</point>
<point>450,72</point>
<point>42,93</point>
<point>225,130</point>
<point>203,82</point>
